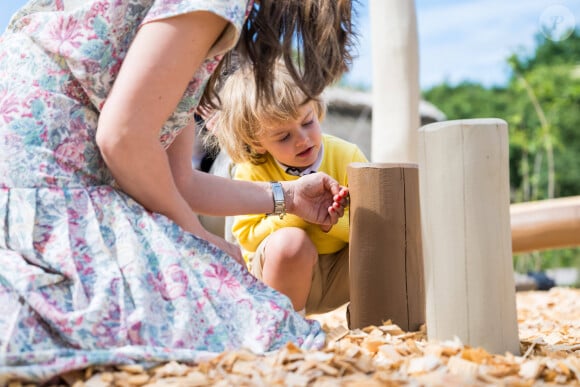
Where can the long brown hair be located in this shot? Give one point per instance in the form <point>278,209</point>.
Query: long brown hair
<point>315,38</point>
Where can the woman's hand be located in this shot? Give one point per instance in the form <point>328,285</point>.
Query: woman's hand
<point>316,198</point>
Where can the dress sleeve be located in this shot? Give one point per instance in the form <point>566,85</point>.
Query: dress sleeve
<point>234,11</point>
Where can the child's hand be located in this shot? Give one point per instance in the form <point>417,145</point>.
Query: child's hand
<point>342,198</point>
<point>340,202</point>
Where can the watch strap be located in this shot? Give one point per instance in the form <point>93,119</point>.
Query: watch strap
<point>278,197</point>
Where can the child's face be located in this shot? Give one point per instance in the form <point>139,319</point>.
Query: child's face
<point>295,143</point>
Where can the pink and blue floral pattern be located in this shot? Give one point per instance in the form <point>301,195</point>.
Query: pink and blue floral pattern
<point>88,276</point>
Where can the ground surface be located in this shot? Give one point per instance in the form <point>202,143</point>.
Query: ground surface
<point>549,331</point>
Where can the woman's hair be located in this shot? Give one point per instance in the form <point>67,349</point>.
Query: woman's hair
<point>314,38</point>
<point>240,120</point>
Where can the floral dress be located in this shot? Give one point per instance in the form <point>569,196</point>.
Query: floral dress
<point>88,276</point>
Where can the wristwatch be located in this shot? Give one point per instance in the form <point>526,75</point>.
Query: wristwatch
<point>278,196</point>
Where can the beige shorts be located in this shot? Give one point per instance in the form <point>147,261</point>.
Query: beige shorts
<point>330,283</point>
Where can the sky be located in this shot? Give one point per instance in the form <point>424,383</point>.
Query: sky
<point>459,40</point>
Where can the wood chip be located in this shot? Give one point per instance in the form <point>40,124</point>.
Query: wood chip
<point>462,367</point>
<point>549,331</point>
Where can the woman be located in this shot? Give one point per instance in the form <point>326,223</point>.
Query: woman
<point>104,259</point>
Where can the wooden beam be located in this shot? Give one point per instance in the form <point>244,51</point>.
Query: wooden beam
<point>545,224</point>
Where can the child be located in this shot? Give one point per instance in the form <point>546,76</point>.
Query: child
<point>282,141</point>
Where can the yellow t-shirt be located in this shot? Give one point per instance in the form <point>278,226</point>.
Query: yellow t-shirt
<point>250,230</point>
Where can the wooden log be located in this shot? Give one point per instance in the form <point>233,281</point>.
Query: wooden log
<point>545,224</point>
<point>386,260</point>
<point>464,183</point>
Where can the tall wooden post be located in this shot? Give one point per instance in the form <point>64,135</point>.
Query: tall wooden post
<point>396,93</point>
<point>465,211</point>
<point>386,261</point>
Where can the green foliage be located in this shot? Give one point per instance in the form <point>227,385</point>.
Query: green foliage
<point>541,104</point>
<point>468,100</point>
<point>550,53</point>
<point>540,261</point>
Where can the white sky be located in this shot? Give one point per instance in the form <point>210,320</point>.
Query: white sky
<point>458,39</point>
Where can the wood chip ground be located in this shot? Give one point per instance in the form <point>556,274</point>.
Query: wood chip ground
<point>549,331</point>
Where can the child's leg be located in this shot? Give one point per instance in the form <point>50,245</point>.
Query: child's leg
<point>330,283</point>
<point>288,261</point>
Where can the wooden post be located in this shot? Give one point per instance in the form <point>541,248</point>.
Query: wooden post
<point>396,92</point>
<point>545,224</point>
<point>465,204</point>
<point>386,262</point>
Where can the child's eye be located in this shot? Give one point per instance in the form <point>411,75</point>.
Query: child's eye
<point>308,123</point>
<point>285,138</point>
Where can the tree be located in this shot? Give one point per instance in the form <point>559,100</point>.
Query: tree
<point>540,103</point>
<point>549,115</point>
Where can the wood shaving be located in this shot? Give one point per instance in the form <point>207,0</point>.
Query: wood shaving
<point>549,332</point>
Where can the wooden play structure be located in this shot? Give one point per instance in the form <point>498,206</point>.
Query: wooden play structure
<point>464,241</point>
<point>457,263</point>
<point>468,230</point>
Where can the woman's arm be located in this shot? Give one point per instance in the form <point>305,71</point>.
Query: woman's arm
<point>207,194</point>
<point>158,67</point>
<point>316,198</point>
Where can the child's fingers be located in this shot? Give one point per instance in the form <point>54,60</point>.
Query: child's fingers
<point>338,208</point>
<point>341,199</point>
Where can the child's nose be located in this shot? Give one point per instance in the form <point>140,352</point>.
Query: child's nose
<point>303,138</point>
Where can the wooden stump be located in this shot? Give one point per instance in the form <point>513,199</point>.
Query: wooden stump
<point>465,204</point>
<point>386,262</point>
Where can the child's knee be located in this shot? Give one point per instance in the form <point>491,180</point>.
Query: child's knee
<point>292,243</point>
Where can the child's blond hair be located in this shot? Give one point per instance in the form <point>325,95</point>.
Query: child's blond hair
<point>241,119</point>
